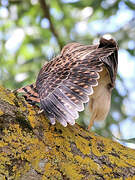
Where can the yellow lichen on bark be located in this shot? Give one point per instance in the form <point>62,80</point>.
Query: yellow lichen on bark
<point>32,148</point>
<point>1,112</point>
<point>7,95</point>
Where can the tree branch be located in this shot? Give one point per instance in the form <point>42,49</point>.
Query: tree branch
<point>31,148</point>
<point>46,11</point>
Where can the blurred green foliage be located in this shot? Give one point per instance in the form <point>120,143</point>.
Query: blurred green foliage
<point>34,31</point>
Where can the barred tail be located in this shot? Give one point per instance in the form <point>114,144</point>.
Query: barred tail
<point>30,94</point>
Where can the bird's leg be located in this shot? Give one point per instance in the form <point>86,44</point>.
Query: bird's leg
<point>91,124</point>
<point>91,106</point>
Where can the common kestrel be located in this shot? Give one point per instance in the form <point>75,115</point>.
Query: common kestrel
<point>81,73</point>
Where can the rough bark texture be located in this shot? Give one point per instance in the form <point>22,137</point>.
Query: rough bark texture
<point>31,148</point>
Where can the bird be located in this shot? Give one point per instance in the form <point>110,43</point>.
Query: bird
<point>80,74</point>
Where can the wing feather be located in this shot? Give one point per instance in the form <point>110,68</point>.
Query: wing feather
<point>65,83</point>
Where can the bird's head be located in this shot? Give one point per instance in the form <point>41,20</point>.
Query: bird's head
<point>107,41</point>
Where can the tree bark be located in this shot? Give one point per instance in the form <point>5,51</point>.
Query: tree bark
<point>31,148</point>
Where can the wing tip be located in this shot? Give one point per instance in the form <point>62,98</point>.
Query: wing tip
<point>63,123</point>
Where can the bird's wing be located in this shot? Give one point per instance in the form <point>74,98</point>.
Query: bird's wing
<point>65,83</point>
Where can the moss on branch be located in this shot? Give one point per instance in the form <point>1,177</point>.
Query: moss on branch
<point>31,148</point>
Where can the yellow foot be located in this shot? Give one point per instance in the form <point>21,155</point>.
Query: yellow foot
<point>90,124</point>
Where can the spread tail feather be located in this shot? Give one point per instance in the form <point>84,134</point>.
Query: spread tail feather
<point>30,94</point>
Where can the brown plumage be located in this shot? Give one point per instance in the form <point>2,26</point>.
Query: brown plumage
<point>79,73</point>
